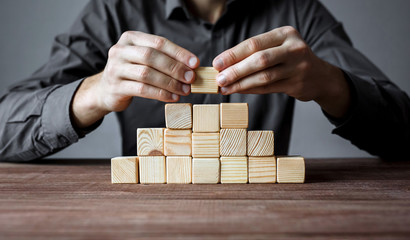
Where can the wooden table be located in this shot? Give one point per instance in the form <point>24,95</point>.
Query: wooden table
<point>74,199</point>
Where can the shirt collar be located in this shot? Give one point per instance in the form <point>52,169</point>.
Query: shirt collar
<point>177,8</point>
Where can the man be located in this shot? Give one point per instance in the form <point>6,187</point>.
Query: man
<point>131,56</point>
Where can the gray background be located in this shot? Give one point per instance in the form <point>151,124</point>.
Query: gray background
<point>378,28</point>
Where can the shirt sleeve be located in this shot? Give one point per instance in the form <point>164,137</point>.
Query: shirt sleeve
<point>35,113</point>
<point>379,118</point>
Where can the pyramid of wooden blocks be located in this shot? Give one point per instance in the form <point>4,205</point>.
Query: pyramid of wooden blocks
<point>260,143</point>
<point>206,118</point>
<point>178,142</point>
<point>205,81</point>
<point>124,170</point>
<point>234,115</point>
<point>206,144</point>
<point>291,169</point>
<point>179,170</point>
<point>178,116</point>
<point>150,141</point>
<point>262,169</point>
<point>233,142</point>
<point>234,169</point>
<point>152,169</point>
<point>205,170</point>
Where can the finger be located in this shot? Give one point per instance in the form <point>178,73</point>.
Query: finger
<point>162,44</point>
<point>260,79</point>
<point>153,77</point>
<point>159,61</point>
<point>246,48</point>
<point>277,87</point>
<point>139,89</point>
<point>256,62</point>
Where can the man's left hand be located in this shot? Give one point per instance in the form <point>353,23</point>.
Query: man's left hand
<point>280,61</point>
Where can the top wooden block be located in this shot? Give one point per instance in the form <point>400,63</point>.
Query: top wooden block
<point>234,115</point>
<point>205,81</point>
<point>150,141</point>
<point>178,116</point>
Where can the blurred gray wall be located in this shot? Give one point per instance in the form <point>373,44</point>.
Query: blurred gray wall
<point>378,28</point>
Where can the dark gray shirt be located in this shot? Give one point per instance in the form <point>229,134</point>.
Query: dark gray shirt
<point>35,114</point>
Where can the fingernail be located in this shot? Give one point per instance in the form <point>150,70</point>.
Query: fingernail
<point>219,63</point>
<point>174,97</point>
<point>186,88</point>
<point>224,90</point>
<point>193,61</point>
<point>188,76</point>
<point>221,79</point>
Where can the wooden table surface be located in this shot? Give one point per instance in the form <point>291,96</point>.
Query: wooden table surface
<point>74,199</point>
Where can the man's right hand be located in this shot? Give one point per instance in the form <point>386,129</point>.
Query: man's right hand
<point>140,65</point>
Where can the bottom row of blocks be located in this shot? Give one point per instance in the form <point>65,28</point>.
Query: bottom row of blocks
<point>186,170</point>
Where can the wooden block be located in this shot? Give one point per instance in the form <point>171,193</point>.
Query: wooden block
<point>291,169</point>
<point>206,118</point>
<point>234,115</point>
<point>124,170</point>
<point>234,169</point>
<point>179,170</point>
<point>178,116</point>
<point>262,169</point>
<point>152,169</point>
<point>233,142</point>
<point>260,143</point>
<point>205,145</point>
<point>205,81</point>
<point>205,170</point>
<point>150,141</point>
<point>178,142</point>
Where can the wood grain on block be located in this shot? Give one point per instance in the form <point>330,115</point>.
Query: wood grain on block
<point>150,141</point>
<point>205,170</point>
<point>178,142</point>
<point>234,115</point>
<point>234,169</point>
<point>205,144</point>
<point>260,143</point>
<point>152,169</point>
<point>178,116</point>
<point>262,169</point>
<point>206,118</point>
<point>179,170</point>
<point>291,169</point>
<point>124,170</point>
<point>205,81</point>
<point>233,142</point>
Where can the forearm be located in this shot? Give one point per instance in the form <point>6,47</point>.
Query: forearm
<point>379,118</point>
<point>379,114</point>
<point>36,123</point>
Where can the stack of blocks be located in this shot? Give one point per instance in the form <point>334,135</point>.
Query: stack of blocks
<point>206,144</point>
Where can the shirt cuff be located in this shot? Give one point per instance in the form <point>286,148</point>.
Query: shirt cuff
<point>58,130</point>
<point>364,93</point>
